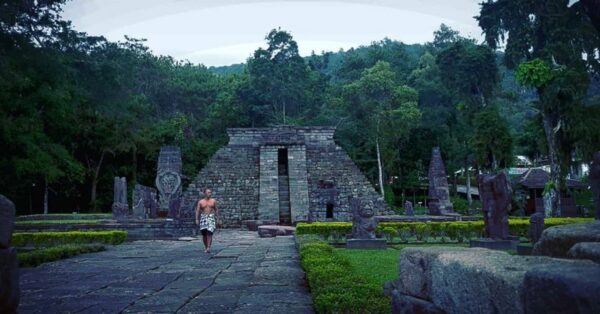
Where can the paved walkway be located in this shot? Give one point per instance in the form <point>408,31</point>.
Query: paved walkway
<point>243,274</point>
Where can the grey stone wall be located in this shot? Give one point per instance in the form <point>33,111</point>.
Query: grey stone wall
<point>244,178</point>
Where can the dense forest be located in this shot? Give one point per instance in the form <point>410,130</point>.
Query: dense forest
<point>77,110</point>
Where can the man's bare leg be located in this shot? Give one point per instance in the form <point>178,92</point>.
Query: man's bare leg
<point>209,236</point>
<point>205,241</point>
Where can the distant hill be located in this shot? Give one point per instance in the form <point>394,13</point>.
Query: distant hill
<point>227,69</point>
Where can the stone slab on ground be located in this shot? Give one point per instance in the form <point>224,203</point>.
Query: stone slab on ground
<point>557,241</point>
<point>243,273</point>
<point>7,221</point>
<point>268,231</point>
<point>368,244</point>
<point>494,244</point>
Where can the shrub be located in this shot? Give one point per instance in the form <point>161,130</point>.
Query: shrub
<point>390,233</point>
<point>46,239</point>
<point>334,286</point>
<point>37,257</point>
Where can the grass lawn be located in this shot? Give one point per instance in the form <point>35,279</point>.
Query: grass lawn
<point>380,266</point>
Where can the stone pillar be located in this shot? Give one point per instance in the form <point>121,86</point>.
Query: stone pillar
<point>298,183</point>
<point>168,180</point>
<point>439,194</point>
<point>9,267</point>
<point>268,202</point>
<point>120,208</point>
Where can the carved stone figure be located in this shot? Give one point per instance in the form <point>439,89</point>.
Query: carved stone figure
<point>439,194</point>
<point>144,202</point>
<point>120,208</point>
<point>168,180</point>
<point>536,226</point>
<point>496,194</point>
<point>408,208</point>
<point>363,222</point>
<point>594,177</point>
<point>9,267</point>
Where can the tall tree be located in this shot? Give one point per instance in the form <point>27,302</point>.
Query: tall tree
<point>549,39</point>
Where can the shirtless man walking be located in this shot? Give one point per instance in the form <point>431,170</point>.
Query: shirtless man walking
<point>207,216</point>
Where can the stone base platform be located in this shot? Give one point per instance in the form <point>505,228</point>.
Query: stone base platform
<point>375,244</point>
<point>495,244</point>
<point>269,231</point>
<point>423,218</point>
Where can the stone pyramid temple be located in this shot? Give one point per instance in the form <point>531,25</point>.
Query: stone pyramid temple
<point>282,175</point>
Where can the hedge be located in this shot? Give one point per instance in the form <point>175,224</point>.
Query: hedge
<point>427,231</point>
<point>47,239</point>
<point>334,286</point>
<point>37,257</point>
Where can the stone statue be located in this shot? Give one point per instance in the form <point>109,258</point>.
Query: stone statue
<point>594,177</point>
<point>439,194</point>
<point>363,222</point>
<point>120,208</point>
<point>408,208</point>
<point>496,195</point>
<point>144,202</point>
<point>536,227</point>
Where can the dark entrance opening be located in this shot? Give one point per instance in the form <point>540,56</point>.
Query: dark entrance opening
<point>285,212</point>
<point>329,213</point>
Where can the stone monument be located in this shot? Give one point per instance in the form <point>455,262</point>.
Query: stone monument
<point>439,195</point>
<point>496,195</point>
<point>168,180</point>
<point>408,208</point>
<point>9,267</point>
<point>144,202</point>
<point>120,208</point>
<point>363,228</point>
<point>595,182</point>
<point>536,227</point>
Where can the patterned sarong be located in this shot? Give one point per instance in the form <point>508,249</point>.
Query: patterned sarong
<point>208,222</point>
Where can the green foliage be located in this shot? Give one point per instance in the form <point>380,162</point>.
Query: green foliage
<point>492,139</point>
<point>37,257</point>
<point>46,239</point>
<point>535,73</point>
<point>460,205</point>
<point>334,284</point>
<point>430,231</point>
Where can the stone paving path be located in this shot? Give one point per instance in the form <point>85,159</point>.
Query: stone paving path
<point>243,274</point>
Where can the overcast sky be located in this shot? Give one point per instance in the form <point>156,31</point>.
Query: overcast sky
<point>222,32</point>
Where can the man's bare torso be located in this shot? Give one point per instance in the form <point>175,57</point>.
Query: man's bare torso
<point>207,206</point>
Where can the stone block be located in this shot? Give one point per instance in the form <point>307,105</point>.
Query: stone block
<point>405,304</point>
<point>494,244</point>
<point>7,221</point>
<point>378,244</point>
<point>570,288</point>
<point>557,241</point>
<point>9,281</point>
<point>586,250</point>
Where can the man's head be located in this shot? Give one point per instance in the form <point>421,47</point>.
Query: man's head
<point>207,193</point>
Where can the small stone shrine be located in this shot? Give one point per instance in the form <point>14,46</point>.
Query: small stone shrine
<point>9,267</point>
<point>536,227</point>
<point>282,175</point>
<point>168,180</point>
<point>363,228</point>
<point>120,208</point>
<point>439,195</point>
<point>408,208</point>
<point>144,203</point>
<point>496,195</point>
<point>594,178</point>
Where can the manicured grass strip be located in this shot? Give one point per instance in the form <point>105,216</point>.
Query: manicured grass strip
<point>47,239</point>
<point>66,221</point>
<point>64,217</point>
<point>335,286</point>
<point>37,257</point>
<point>377,266</point>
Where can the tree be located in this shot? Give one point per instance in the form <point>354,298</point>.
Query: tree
<point>548,38</point>
<point>492,139</point>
